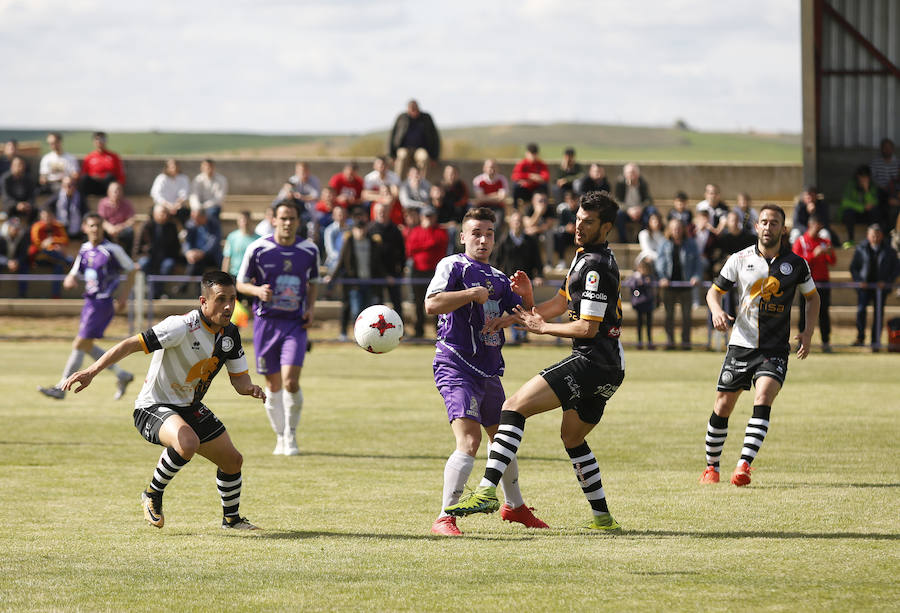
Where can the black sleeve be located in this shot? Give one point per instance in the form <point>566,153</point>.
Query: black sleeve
<point>150,340</point>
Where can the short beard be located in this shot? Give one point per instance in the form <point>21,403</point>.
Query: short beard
<point>773,242</point>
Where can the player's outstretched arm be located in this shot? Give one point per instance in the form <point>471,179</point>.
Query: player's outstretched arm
<point>84,377</point>
<point>805,337</point>
<point>554,307</point>
<point>245,387</point>
<point>447,302</point>
<point>579,328</point>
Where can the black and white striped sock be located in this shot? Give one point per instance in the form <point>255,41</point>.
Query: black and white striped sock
<point>588,472</point>
<point>503,449</point>
<point>168,466</point>
<point>756,431</point>
<point>230,490</point>
<point>716,432</point>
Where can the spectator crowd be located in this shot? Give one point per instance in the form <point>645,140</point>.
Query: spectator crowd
<point>375,228</point>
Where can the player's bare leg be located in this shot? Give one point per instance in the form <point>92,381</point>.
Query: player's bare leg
<point>222,452</point>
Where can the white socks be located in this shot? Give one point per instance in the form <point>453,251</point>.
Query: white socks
<point>275,410</point>
<point>510,482</point>
<point>456,473</point>
<point>293,404</point>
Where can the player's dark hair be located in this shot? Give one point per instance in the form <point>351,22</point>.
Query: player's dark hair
<point>288,203</point>
<point>215,277</point>
<point>92,215</point>
<point>481,213</point>
<point>773,207</point>
<point>601,202</point>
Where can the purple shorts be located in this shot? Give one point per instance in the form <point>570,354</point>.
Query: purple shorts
<point>95,316</point>
<point>278,342</point>
<point>466,395</point>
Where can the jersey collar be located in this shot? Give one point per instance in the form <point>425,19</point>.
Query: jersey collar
<point>206,323</point>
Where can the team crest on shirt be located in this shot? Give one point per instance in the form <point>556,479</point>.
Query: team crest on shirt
<point>489,287</point>
<point>786,268</point>
<point>227,344</point>
<point>592,281</point>
<point>288,265</point>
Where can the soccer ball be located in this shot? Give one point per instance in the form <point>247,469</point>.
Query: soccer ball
<point>378,329</point>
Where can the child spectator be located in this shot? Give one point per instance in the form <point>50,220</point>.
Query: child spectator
<point>643,300</point>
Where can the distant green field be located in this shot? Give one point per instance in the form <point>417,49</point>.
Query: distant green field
<point>593,142</point>
<point>347,522</point>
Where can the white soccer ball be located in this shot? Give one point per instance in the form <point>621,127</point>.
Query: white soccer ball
<point>378,329</point>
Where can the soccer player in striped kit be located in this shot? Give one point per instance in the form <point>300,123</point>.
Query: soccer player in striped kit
<point>188,351</point>
<point>583,382</point>
<point>767,276</point>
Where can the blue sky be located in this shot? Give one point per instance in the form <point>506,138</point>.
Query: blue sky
<point>350,66</point>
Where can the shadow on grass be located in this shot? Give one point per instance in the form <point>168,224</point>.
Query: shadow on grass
<point>310,534</point>
<point>866,536</point>
<point>380,456</point>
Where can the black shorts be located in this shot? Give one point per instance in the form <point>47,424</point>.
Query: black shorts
<point>149,420</point>
<point>744,365</point>
<point>583,386</point>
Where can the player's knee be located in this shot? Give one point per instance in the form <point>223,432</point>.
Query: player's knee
<point>292,386</point>
<point>233,463</point>
<point>569,440</point>
<point>187,443</point>
<point>469,444</point>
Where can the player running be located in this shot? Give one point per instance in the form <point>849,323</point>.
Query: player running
<point>278,271</point>
<point>469,293</point>
<point>188,351</point>
<point>767,276</point>
<point>100,262</point>
<point>583,382</point>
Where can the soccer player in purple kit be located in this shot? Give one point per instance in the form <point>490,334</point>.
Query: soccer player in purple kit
<point>583,382</point>
<point>468,293</point>
<point>278,270</point>
<point>100,262</point>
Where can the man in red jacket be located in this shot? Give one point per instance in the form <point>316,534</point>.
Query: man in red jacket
<point>819,254</point>
<point>426,244</point>
<point>100,168</point>
<point>529,175</point>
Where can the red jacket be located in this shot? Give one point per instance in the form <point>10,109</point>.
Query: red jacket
<point>524,168</point>
<point>818,264</point>
<point>426,247</point>
<point>98,164</point>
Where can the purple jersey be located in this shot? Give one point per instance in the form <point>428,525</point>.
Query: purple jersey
<point>459,332</point>
<point>287,270</point>
<point>101,266</point>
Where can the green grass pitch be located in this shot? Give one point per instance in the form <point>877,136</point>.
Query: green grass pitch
<point>347,522</point>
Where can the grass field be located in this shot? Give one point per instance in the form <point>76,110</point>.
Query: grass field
<point>592,141</point>
<point>347,522</point>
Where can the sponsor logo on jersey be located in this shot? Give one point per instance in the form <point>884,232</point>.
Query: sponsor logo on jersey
<point>227,344</point>
<point>592,281</point>
<point>589,295</point>
<point>767,288</point>
<point>786,268</point>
